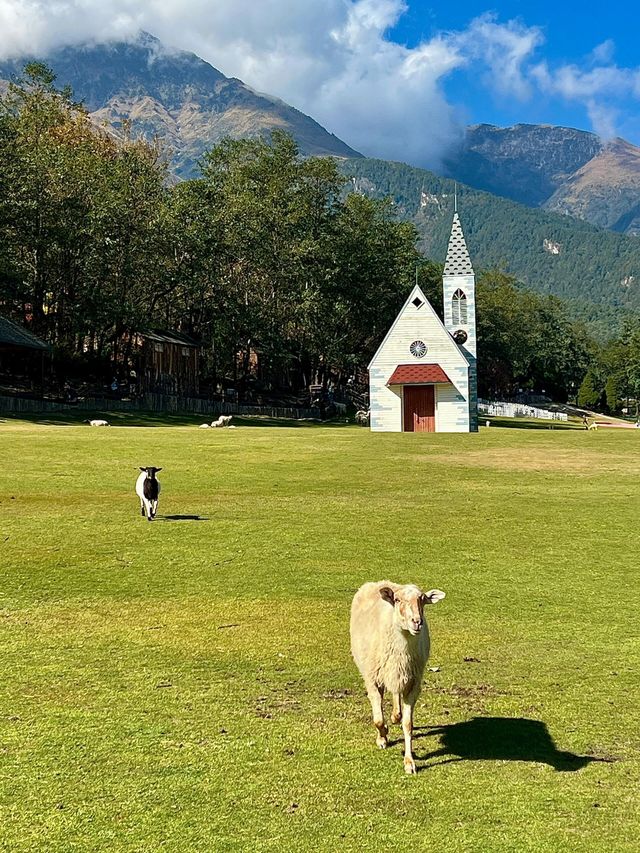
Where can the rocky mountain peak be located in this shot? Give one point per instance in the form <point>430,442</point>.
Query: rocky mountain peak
<point>177,96</point>
<point>560,168</point>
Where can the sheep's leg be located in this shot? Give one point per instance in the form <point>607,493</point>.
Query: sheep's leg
<point>407,728</point>
<point>376,695</point>
<point>142,513</point>
<point>396,714</point>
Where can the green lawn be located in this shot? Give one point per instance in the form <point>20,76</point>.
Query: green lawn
<point>187,684</point>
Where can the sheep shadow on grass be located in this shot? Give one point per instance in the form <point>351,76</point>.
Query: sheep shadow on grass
<point>500,739</point>
<point>182,518</point>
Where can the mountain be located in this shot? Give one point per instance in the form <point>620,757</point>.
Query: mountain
<point>596,270</point>
<point>190,106</point>
<point>176,96</point>
<point>558,168</point>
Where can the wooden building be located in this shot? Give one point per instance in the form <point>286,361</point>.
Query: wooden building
<point>423,377</point>
<point>166,363</point>
<point>22,354</point>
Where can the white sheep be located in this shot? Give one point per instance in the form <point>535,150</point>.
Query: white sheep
<point>223,421</point>
<point>204,426</point>
<point>362,417</point>
<point>390,645</point>
<point>148,490</point>
<point>98,423</point>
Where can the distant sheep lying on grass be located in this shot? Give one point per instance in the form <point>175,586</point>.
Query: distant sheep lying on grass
<point>390,645</point>
<point>223,421</point>
<point>148,490</point>
<point>362,417</point>
<point>98,423</point>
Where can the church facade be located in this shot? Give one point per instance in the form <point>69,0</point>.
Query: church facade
<point>423,377</point>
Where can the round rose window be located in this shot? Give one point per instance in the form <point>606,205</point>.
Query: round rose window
<point>418,348</point>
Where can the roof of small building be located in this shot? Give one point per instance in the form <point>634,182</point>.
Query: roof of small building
<point>170,338</point>
<point>418,374</point>
<point>11,334</point>
<point>458,261</point>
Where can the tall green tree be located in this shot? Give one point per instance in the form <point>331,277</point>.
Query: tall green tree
<point>78,216</point>
<point>611,394</point>
<point>589,394</point>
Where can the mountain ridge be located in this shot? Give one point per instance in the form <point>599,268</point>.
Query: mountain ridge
<point>177,96</point>
<point>566,170</point>
<point>192,105</point>
<point>595,270</point>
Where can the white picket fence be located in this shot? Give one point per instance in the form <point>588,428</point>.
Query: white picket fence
<point>519,410</point>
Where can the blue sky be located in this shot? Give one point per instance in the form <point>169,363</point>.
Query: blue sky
<point>570,32</point>
<point>397,79</point>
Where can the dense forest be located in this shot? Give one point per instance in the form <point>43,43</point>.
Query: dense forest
<point>596,271</point>
<point>266,259</point>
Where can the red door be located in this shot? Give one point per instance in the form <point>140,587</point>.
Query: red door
<point>419,408</point>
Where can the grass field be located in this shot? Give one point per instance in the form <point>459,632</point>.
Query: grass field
<point>187,684</point>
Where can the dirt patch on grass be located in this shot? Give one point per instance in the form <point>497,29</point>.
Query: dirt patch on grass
<point>543,460</point>
<point>467,691</point>
<point>471,697</point>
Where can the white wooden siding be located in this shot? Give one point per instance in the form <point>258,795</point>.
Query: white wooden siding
<point>452,408</point>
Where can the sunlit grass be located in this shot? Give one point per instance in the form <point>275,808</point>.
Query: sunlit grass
<point>187,684</point>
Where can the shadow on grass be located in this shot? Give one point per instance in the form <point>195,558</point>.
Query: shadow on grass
<point>516,423</point>
<point>265,421</point>
<point>182,518</point>
<point>78,417</point>
<point>501,739</point>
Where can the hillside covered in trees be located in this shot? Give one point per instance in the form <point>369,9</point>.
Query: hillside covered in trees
<point>264,259</point>
<point>596,271</point>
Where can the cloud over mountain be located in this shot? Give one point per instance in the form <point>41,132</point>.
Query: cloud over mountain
<point>335,60</point>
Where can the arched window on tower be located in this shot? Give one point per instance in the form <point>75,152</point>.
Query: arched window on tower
<point>459,308</point>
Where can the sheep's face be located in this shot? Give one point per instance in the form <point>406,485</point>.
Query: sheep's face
<point>408,603</point>
<point>151,471</point>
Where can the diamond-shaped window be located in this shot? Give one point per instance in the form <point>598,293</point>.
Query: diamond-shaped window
<point>417,302</point>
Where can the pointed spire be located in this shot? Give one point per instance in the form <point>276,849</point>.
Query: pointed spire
<point>458,261</point>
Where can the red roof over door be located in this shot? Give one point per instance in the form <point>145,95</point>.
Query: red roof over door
<point>418,374</point>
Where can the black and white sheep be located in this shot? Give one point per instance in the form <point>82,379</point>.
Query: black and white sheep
<point>148,490</point>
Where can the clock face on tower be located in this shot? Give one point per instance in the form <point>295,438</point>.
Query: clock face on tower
<point>460,337</point>
<point>418,349</point>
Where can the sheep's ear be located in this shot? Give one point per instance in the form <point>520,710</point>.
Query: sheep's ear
<point>433,596</point>
<point>387,593</point>
<point>158,469</point>
<point>143,469</point>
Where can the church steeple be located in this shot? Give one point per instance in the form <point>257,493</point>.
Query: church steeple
<point>459,295</point>
<point>458,261</point>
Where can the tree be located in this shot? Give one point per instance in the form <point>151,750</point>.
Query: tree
<point>78,216</point>
<point>589,394</point>
<point>611,394</point>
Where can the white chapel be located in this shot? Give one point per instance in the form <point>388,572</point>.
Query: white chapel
<point>423,377</point>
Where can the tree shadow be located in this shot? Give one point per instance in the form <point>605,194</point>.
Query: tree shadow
<point>182,518</point>
<point>502,739</point>
<point>516,423</point>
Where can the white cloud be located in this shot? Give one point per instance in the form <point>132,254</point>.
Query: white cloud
<point>603,90</point>
<point>334,60</point>
<point>505,50</point>
<point>603,53</point>
<point>330,59</point>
